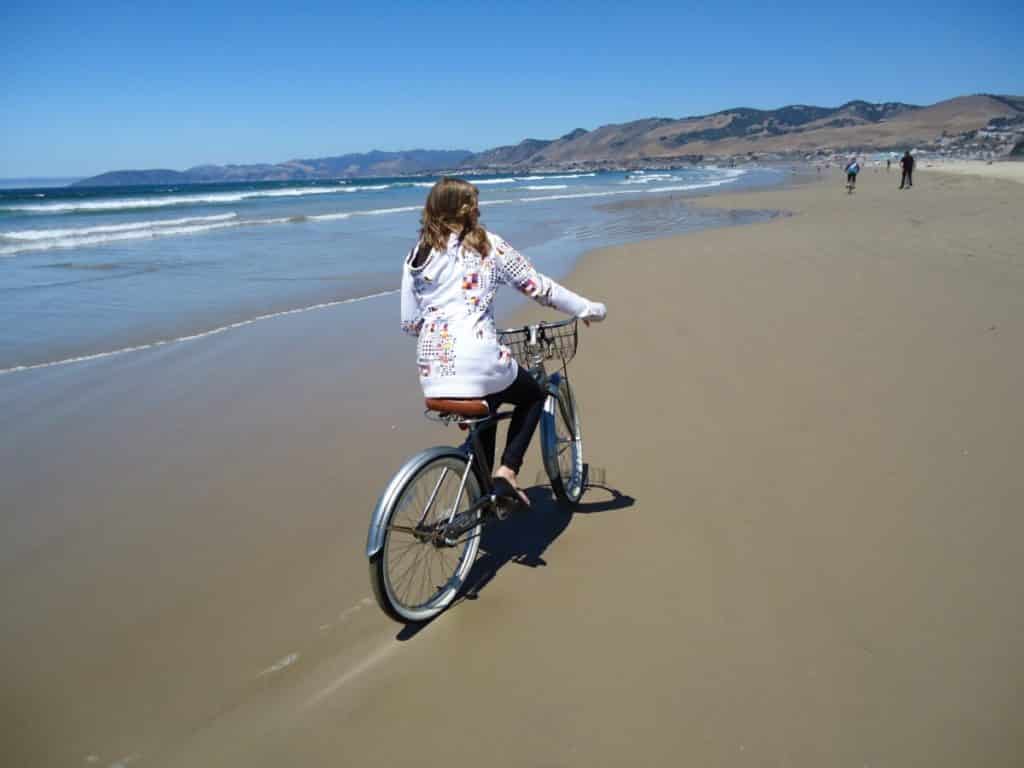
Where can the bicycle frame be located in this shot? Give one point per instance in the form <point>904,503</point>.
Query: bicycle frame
<point>471,451</point>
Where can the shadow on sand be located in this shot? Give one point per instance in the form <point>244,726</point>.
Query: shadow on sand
<point>524,537</point>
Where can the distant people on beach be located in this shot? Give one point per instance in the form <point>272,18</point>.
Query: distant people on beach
<point>888,164</point>
<point>852,169</point>
<point>907,164</point>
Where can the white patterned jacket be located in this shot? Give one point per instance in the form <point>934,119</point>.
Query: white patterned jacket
<point>447,302</point>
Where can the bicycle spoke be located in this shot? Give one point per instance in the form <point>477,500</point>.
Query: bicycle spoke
<point>403,556</point>
<point>411,568</point>
<point>433,495</point>
<point>417,568</point>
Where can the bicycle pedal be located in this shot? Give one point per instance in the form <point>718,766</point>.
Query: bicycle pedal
<point>502,507</point>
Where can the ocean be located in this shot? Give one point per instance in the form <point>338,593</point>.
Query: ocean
<point>87,272</point>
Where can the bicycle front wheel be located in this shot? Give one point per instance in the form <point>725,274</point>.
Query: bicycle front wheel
<point>562,443</point>
<point>419,571</point>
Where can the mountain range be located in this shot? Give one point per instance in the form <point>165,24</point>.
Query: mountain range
<point>985,122</point>
<point>374,164</point>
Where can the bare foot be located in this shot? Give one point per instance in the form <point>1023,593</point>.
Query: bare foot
<point>511,476</point>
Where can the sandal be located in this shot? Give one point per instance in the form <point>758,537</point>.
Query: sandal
<point>507,498</point>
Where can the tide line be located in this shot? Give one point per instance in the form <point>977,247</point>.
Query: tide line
<point>194,336</point>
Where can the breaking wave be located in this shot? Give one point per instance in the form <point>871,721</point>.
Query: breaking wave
<point>213,198</point>
<point>25,240</point>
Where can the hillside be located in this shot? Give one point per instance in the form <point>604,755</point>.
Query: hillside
<point>980,125</point>
<point>374,164</point>
<point>793,129</point>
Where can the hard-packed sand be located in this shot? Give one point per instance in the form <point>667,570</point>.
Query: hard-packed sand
<point>1014,171</point>
<point>805,550</point>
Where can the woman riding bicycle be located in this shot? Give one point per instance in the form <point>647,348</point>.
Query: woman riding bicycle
<point>448,285</point>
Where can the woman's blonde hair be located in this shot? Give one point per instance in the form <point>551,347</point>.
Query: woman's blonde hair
<point>451,207</point>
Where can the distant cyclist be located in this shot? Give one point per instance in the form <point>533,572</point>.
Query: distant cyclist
<point>852,169</point>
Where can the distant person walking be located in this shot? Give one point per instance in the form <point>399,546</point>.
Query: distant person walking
<point>907,164</point>
<point>852,169</point>
<point>888,164</point>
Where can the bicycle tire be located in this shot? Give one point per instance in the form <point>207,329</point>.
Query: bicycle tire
<point>405,558</point>
<point>562,443</point>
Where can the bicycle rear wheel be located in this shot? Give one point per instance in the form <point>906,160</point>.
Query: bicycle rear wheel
<point>562,444</point>
<point>418,573</point>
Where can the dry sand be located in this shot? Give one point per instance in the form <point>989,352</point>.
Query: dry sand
<point>1014,171</point>
<point>807,550</point>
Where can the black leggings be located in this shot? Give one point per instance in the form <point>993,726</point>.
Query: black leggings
<point>528,398</point>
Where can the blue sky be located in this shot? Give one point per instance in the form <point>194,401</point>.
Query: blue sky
<point>89,87</point>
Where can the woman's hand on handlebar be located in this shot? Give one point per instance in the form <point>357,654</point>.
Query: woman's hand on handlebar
<point>594,313</point>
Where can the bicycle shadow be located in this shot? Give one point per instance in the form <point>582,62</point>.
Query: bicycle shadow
<point>525,536</point>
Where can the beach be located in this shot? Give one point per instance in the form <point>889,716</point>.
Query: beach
<point>802,546</point>
<point>1014,171</point>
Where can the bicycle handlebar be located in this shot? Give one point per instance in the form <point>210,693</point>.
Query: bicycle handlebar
<point>543,325</point>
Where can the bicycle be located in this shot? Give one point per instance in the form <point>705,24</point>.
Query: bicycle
<point>426,527</point>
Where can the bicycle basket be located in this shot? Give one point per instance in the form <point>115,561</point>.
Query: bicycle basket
<point>556,341</point>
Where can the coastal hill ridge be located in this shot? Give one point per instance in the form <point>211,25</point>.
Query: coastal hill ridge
<point>979,125</point>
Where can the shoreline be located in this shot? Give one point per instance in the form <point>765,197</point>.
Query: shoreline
<point>807,438</point>
<point>360,287</point>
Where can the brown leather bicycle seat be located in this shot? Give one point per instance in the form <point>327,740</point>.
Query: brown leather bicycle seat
<point>469,408</point>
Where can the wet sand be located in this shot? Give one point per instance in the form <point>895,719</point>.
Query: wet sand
<point>805,550</point>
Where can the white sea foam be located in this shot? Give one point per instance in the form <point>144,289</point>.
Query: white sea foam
<point>331,216</point>
<point>647,178</point>
<point>194,336</point>
<point>217,198</point>
<point>515,179</point>
<point>37,240</point>
<point>609,193</point>
<point>214,198</point>
<point>379,211</point>
<point>76,241</point>
<point>732,173</point>
<point>558,176</point>
<point>372,212</point>
<point>578,195</point>
<point>701,185</point>
<point>52,234</point>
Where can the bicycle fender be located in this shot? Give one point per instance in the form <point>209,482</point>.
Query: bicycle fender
<point>381,513</point>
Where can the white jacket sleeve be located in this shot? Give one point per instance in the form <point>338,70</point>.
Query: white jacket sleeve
<point>412,317</point>
<point>516,270</point>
